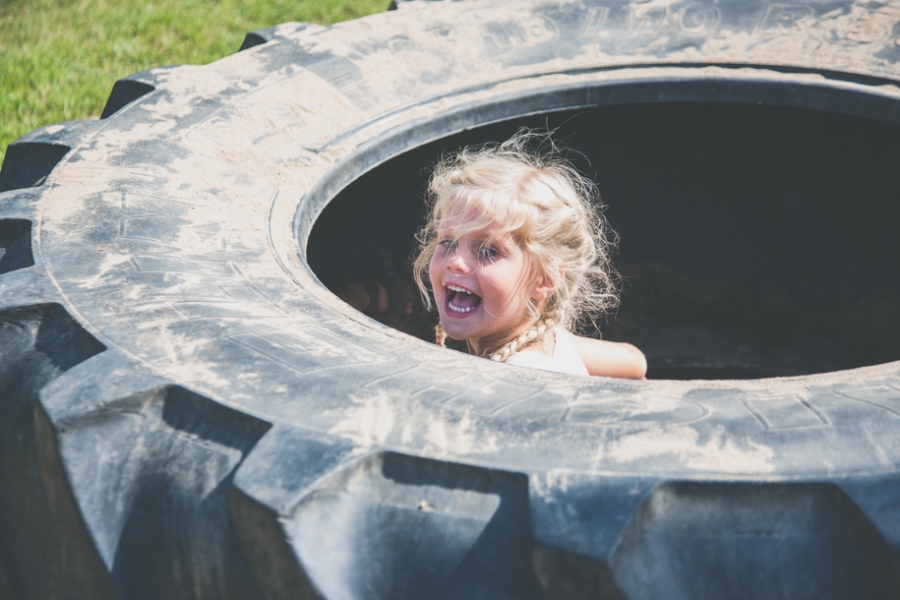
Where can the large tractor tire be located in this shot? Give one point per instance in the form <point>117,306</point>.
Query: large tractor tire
<point>186,411</point>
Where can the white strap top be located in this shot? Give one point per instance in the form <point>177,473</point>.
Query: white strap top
<point>565,358</point>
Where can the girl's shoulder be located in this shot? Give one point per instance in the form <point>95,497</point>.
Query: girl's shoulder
<point>565,357</point>
<point>610,359</point>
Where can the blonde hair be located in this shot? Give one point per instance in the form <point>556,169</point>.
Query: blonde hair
<point>553,211</point>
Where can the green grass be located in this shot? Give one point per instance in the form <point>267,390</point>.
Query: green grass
<point>59,58</point>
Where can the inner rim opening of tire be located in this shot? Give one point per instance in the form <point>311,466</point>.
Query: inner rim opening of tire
<point>758,236</point>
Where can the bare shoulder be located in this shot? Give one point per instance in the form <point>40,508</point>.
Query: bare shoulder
<point>610,359</point>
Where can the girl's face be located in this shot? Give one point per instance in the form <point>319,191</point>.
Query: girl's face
<point>482,287</point>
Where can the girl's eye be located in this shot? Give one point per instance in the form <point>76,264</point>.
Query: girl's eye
<point>486,253</point>
<point>448,245</point>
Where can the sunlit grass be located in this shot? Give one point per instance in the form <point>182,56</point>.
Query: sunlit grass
<point>59,58</point>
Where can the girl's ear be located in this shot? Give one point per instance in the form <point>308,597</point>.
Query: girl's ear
<point>544,288</point>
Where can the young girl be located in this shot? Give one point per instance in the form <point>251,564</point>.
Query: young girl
<point>514,254</point>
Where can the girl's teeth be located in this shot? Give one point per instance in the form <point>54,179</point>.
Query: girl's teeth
<point>460,293</point>
<point>461,310</point>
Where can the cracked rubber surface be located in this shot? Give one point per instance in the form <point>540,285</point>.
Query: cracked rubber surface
<point>186,412</point>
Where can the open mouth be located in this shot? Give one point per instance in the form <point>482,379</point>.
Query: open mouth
<point>461,300</point>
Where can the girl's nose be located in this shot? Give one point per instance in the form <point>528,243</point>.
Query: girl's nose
<point>459,262</point>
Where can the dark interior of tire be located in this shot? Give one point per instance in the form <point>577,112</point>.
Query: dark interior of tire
<point>755,240</point>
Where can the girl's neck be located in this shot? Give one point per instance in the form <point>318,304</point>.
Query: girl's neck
<point>487,347</point>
